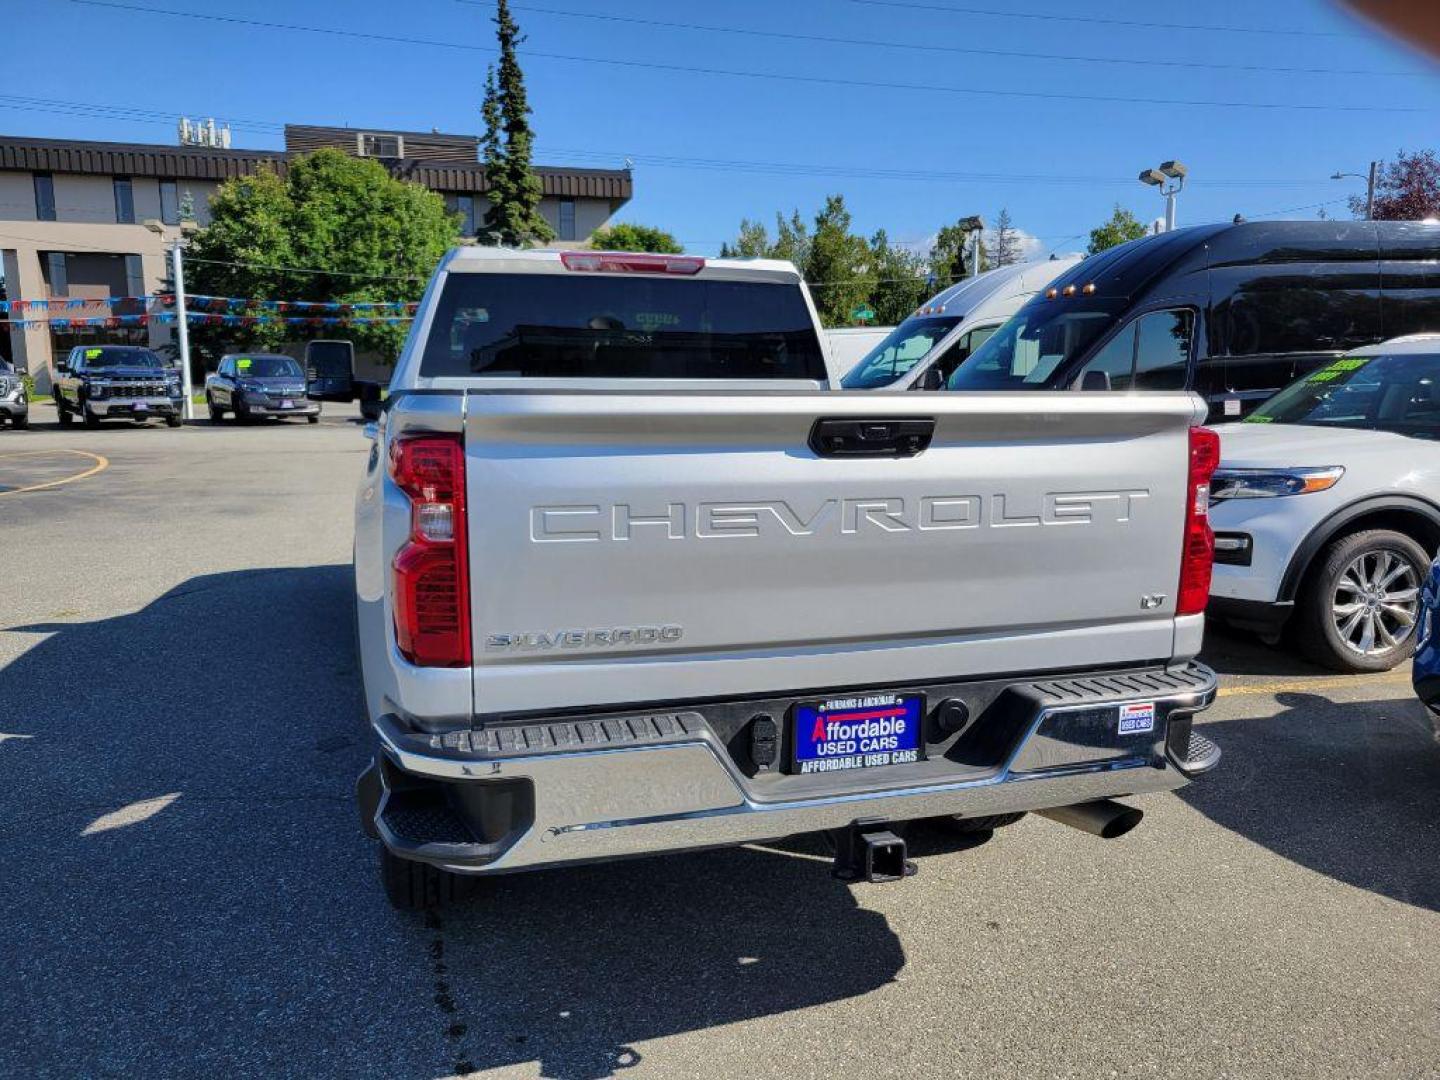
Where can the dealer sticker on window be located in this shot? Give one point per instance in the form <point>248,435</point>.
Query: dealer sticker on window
<point>858,732</point>
<point>1137,718</point>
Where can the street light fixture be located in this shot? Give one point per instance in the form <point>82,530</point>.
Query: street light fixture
<point>1170,179</point>
<point>1369,187</point>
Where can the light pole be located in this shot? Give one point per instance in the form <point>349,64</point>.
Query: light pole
<point>1170,179</point>
<point>182,328</point>
<point>1369,187</point>
<point>974,228</point>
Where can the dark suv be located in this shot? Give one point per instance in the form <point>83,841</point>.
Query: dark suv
<point>101,382</point>
<point>255,385</point>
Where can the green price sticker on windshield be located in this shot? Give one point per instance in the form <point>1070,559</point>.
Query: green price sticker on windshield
<point>244,363</point>
<point>1332,371</point>
<point>91,354</point>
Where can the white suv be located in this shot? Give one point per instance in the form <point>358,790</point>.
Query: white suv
<point>1326,507</point>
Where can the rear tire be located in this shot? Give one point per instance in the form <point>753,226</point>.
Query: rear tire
<point>172,421</point>
<point>980,824</point>
<point>312,419</point>
<point>20,423</point>
<point>1359,605</point>
<point>417,886</point>
<point>216,413</point>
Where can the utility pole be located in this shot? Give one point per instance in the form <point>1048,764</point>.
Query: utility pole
<point>183,328</point>
<point>1369,187</point>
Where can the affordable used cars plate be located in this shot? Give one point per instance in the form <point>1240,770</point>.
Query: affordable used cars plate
<point>857,731</point>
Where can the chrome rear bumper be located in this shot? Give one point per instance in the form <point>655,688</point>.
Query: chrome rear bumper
<point>651,792</point>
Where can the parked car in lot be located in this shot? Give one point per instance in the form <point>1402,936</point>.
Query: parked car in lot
<point>1425,674</point>
<point>1236,312</point>
<point>14,403</point>
<point>629,579</point>
<point>1326,506</point>
<point>922,351</point>
<point>107,382</point>
<point>253,385</point>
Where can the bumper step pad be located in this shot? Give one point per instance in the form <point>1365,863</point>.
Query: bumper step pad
<point>1201,756</point>
<point>562,735</point>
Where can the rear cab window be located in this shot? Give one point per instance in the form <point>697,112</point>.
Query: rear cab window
<point>619,326</point>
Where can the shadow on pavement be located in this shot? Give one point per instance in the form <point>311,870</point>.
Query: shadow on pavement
<point>1238,652</point>
<point>1345,792</point>
<point>187,890</point>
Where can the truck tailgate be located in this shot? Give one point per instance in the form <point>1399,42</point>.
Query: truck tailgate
<point>662,547</point>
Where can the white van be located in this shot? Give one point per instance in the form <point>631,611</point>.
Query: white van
<point>922,351</point>
<point>848,344</point>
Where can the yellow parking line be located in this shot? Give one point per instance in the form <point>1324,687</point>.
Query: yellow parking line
<point>101,463</point>
<point>1324,682</point>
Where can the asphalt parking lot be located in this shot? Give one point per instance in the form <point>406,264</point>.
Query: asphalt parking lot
<point>186,890</point>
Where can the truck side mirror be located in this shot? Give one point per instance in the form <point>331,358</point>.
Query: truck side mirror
<point>62,367</point>
<point>1095,380</point>
<point>931,379</point>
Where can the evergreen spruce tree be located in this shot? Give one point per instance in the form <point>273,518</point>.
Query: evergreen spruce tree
<point>514,191</point>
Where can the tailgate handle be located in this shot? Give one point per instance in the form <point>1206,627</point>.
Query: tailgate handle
<point>869,436</point>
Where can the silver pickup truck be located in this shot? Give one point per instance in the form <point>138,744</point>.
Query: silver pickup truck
<point>631,578</point>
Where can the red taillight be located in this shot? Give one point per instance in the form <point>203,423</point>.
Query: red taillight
<point>1198,554</point>
<point>430,573</point>
<point>629,262</point>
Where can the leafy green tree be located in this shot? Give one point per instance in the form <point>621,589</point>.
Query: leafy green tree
<point>514,191</point>
<point>900,278</point>
<point>372,237</point>
<point>628,237</point>
<point>951,252</point>
<point>837,265</point>
<point>1122,227</point>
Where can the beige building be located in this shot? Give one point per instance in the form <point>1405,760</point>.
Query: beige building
<point>85,221</point>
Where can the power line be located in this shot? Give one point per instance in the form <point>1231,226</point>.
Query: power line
<point>954,49</point>
<point>135,114</point>
<point>304,270</point>
<point>1101,21</point>
<point>815,80</point>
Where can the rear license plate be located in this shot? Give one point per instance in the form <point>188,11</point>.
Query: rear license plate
<point>860,731</point>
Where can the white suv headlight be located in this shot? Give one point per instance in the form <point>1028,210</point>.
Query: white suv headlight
<point>1269,483</point>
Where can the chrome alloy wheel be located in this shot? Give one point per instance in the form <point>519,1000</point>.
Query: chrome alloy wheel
<point>1376,602</point>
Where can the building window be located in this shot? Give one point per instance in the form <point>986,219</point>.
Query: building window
<point>391,146</point>
<point>124,201</point>
<point>134,276</point>
<point>169,202</point>
<point>464,205</point>
<point>57,273</point>
<point>44,196</point>
<point>567,219</point>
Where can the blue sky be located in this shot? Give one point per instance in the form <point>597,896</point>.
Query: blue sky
<point>1056,141</point>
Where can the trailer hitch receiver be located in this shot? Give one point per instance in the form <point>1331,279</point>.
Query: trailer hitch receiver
<point>868,851</point>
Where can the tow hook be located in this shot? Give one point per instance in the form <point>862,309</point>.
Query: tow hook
<point>868,851</point>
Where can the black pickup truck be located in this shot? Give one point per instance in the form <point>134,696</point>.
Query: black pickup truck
<point>104,382</point>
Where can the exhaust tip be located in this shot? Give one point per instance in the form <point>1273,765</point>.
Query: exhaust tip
<point>1104,818</point>
<point>1122,822</point>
